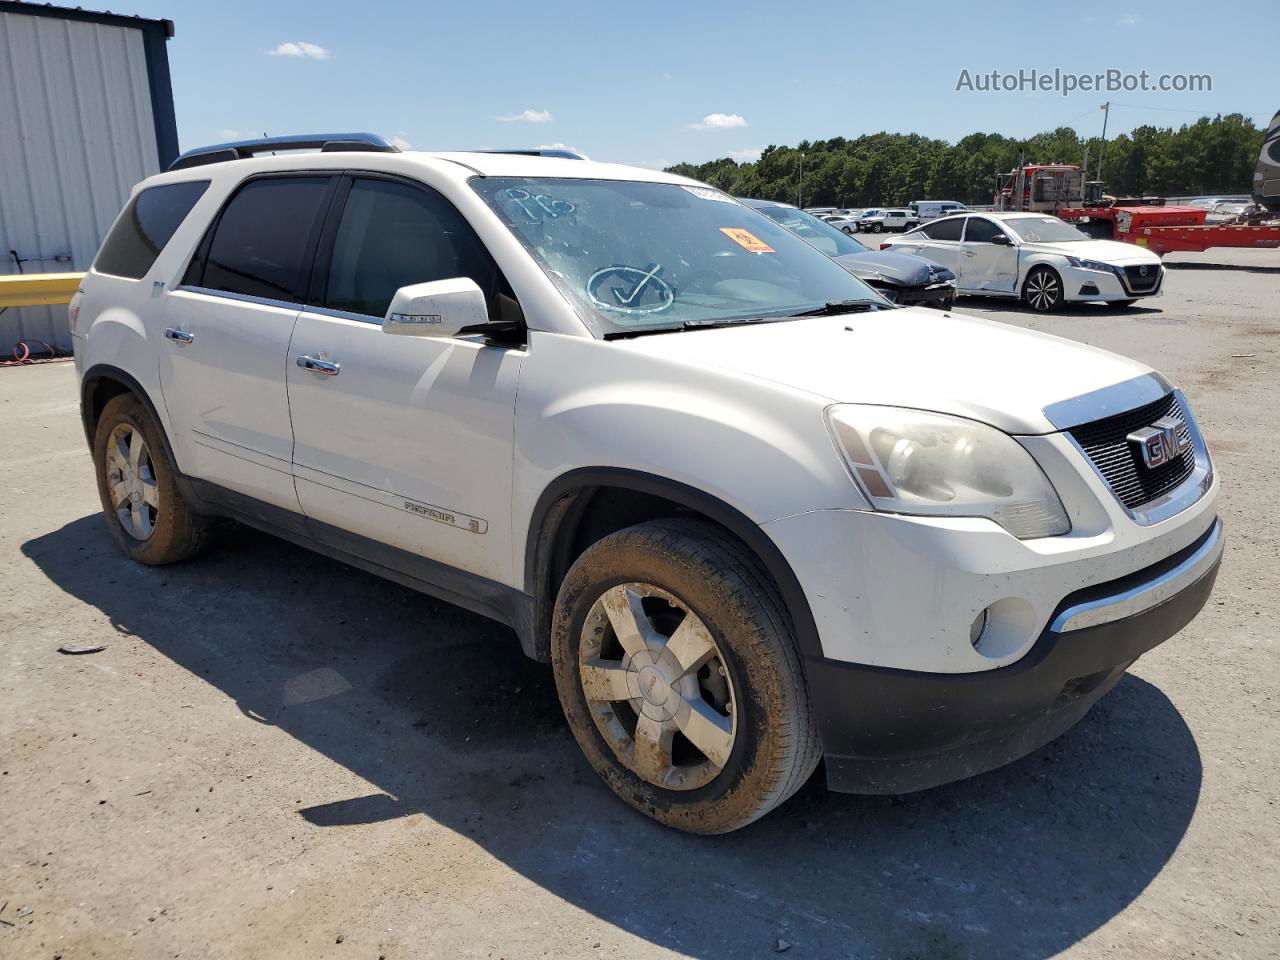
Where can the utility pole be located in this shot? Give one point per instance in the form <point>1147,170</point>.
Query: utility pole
<point>1106,115</point>
<point>1020,181</point>
<point>800,184</point>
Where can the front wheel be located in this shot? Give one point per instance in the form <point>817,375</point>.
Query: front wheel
<point>1043,290</point>
<point>877,228</point>
<point>677,672</point>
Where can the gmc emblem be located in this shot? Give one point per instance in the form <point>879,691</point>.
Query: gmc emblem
<point>1161,442</point>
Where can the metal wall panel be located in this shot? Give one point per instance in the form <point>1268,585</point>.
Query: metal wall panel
<point>76,133</point>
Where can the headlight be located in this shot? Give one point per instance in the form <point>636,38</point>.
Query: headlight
<point>910,461</point>
<point>1091,265</point>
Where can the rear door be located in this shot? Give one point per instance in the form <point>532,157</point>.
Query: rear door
<point>227,336</point>
<point>407,441</point>
<point>984,264</point>
<point>938,240</point>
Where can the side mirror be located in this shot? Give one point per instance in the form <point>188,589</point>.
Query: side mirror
<point>441,308</point>
<point>1002,240</point>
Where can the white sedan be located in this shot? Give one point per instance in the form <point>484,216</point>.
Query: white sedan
<point>1037,257</point>
<point>842,222</point>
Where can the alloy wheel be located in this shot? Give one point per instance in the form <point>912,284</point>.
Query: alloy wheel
<point>1042,290</point>
<point>657,686</point>
<point>131,481</point>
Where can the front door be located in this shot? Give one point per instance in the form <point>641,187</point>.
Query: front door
<point>404,440</point>
<point>227,330</point>
<point>984,264</point>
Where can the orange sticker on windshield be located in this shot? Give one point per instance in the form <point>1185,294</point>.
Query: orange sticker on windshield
<point>746,240</point>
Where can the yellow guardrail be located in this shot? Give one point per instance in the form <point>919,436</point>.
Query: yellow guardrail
<point>38,289</point>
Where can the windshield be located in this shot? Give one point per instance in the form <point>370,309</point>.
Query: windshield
<point>1044,230</point>
<point>642,256</point>
<point>832,241</point>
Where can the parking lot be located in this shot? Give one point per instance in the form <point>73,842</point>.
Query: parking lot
<point>279,756</point>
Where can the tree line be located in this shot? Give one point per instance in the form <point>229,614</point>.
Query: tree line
<point>1210,156</point>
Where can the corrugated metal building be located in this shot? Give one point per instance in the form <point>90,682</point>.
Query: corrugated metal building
<point>86,111</point>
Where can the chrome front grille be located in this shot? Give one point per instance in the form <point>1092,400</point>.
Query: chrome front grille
<point>1137,283</point>
<point>1106,443</point>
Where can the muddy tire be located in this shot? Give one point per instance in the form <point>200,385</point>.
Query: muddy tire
<point>141,502</point>
<point>677,671</point>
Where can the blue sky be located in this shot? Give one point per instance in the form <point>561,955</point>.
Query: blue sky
<point>654,83</point>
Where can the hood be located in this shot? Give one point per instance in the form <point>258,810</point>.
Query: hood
<point>905,269</point>
<point>912,357</point>
<point>1106,251</point>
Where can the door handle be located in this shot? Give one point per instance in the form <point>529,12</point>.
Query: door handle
<point>318,366</point>
<point>970,253</point>
<point>180,336</point>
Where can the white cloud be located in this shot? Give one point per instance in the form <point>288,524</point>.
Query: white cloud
<point>720,121</point>
<point>300,48</point>
<point>557,146</point>
<point>229,134</point>
<point>1130,20</point>
<point>527,116</point>
<point>749,155</point>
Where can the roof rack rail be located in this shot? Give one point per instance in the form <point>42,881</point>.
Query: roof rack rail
<point>548,152</point>
<point>246,149</point>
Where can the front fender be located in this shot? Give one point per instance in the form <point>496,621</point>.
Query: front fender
<point>758,446</point>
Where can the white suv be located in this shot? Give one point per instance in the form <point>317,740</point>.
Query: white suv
<point>878,221</point>
<point>751,513</point>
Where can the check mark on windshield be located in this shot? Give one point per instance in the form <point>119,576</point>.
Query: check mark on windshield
<point>635,291</point>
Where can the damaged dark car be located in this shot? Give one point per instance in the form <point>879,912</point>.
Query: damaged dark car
<point>902,278</point>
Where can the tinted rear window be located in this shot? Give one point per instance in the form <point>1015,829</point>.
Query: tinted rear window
<point>262,241</point>
<point>145,227</point>
<point>945,229</point>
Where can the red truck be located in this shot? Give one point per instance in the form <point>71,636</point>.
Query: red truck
<point>1061,189</point>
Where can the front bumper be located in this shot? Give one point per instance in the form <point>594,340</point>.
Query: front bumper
<point>888,731</point>
<point>1079,283</point>
<point>941,295</point>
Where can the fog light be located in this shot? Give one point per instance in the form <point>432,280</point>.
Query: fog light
<point>977,628</point>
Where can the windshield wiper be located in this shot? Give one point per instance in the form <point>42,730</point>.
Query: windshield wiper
<point>843,306</point>
<point>826,310</point>
<point>694,325</point>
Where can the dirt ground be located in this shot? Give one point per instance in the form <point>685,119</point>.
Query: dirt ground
<point>277,756</point>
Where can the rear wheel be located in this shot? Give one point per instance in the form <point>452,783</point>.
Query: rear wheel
<point>679,677</point>
<point>847,229</point>
<point>141,503</point>
<point>1042,291</point>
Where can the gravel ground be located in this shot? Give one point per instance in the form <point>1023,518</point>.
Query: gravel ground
<point>278,756</point>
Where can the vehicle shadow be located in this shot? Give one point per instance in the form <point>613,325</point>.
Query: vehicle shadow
<point>1245,267</point>
<point>1083,308</point>
<point>438,709</point>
